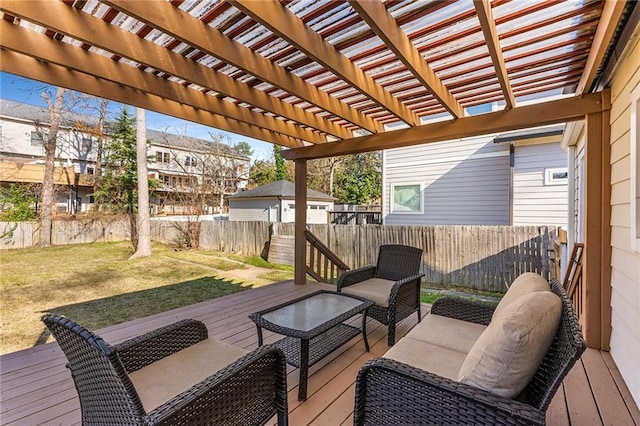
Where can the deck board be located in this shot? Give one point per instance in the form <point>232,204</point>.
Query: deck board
<point>36,388</point>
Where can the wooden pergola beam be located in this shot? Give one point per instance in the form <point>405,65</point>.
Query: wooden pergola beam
<point>382,23</point>
<point>553,112</point>
<point>29,67</point>
<point>58,16</point>
<point>279,20</point>
<point>24,41</point>
<point>609,18</point>
<point>189,29</point>
<point>488,25</point>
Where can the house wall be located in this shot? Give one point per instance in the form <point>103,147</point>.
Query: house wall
<point>463,182</point>
<point>536,199</point>
<point>316,211</point>
<point>625,259</point>
<point>253,209</point>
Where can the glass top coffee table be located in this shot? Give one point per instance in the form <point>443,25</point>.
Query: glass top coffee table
<point>313,326</point>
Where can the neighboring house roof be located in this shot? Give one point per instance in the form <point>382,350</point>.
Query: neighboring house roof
<point>281,189</point>
<point>22,111</point>
<point>32,113</point>
<point>189,143</point>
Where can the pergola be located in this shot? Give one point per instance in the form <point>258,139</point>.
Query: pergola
<point>327,78</point>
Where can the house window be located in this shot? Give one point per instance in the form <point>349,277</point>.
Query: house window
<point>190,161</point>
<point>36,140</point>
<point>163,157</point>
<point>555,176</point>
<point>635,169</point>
<point>87,144</point>
<point>407,198</point>
<point>90,170</point>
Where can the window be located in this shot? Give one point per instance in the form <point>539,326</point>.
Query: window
<point>635,170</point>
<point>555,176</point>
<point>36,140</point>
<point>406,198</point>
<point>87,144</point>
<point>90,170</point>
<point>163,157</point>
<point>190,161</point>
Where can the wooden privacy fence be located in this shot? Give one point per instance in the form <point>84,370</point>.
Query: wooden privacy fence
<point>479,257</point>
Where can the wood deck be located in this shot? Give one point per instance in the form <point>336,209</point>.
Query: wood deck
<point>36,388</point>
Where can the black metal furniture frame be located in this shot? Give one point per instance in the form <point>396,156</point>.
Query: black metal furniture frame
<point>392,393</point>
<point>249,391</point>
<point>304,348</point>
<point>397,263</point>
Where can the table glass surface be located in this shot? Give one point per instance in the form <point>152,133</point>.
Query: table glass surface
<point>312,312</point>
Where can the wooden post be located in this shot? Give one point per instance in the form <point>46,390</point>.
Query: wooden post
<point>300,245</point>
<point>597,233</point>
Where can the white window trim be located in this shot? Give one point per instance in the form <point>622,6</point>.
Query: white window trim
<point>392,202</point>
<point>634,201</point>
<point>549,179</point>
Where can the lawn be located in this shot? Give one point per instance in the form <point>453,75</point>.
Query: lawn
<point>97,286</point>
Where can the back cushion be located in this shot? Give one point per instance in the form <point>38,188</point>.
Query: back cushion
<point>526,283</point>
<point>507,354</point>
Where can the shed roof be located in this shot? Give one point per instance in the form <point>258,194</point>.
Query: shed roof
<point>281,189</point>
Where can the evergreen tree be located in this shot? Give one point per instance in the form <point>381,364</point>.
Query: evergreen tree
<point>118,188</point>
<point>281,171</point>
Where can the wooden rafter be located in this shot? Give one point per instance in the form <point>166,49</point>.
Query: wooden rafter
<point>382,23</point>
<point>207,39</point>
<point>22,40</point>
<point>611,13</point>
<point>86,28</point>
<point>278,19</point>
<point>553,112</point>
<point>488,25</point>
<point>29,67</point>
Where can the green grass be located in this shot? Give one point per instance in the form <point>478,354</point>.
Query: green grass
<point>277,276</point>
<point>260,262</point>
<point>97,285</point>
<point>430,297</point>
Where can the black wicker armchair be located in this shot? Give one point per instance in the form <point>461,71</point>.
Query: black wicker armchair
<point>392,393</point>
<point>393,284</point>
<point>133,382</point>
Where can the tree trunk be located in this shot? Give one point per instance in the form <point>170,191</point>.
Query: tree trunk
<point>47,194</point>
<point>144,226</point>
<point>97,171</point>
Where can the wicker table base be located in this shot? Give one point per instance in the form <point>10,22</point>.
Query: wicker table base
<point>316,333</point>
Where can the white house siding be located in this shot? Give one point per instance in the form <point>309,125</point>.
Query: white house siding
<point>464,182</point>
<point>536,201</point>
<point>625,260</point>
<point>252,209</point>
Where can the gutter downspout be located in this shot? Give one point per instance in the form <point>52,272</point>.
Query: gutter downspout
<point>512,161</point>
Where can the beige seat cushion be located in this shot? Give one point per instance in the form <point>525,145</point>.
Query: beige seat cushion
<point>526,283</point>
<point>447,332</point>
<point>426,356</point>
<point>159,382</point>
<point>507,354</point>
<point>374,289</point>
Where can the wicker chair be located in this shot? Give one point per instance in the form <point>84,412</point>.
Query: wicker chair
<point>393,284</point>
<point>391,393</point>
<point>248,391</point>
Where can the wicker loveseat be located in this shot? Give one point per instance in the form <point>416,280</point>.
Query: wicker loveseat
<point>174,375</point>
<point>429,377</point>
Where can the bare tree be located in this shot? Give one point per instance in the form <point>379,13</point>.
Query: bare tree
<point>144,227</point>
<point>200,176</point>
<point>47,195</point>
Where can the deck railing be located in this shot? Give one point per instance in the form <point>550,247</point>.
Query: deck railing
<point>573,280</point>
<point>322,264</point>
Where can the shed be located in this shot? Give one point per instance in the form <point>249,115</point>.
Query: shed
<point>275,202</point>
